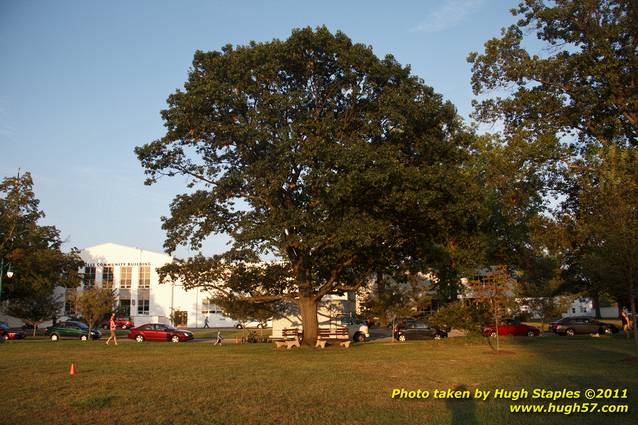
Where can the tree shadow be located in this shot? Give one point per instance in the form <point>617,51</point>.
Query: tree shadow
<point>463,410</point>
<point>580,363</point>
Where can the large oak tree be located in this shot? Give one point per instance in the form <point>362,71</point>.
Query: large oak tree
<point>313,151</point>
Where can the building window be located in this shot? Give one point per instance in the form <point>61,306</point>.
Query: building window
<point>209,308</point>
<point>125,307</point>
<point>107,277</point>
<point>125,276</point>
<point>573,310</point>
<point>145,277</point>
<point>88,280</point>
<point>143,307</point>
<point>143,304</point>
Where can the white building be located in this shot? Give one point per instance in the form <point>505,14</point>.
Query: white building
<point>584,306</point>
<point>132,273</point>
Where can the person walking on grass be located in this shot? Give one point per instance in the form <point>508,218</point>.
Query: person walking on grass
<point>220,338</point>
<point>112,328</point>
<point>624,320</point>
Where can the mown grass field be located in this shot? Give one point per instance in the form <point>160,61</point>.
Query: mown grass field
<point>198,383</point>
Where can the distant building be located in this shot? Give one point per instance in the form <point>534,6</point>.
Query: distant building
<point>584,306</point>
<point>132,273</point>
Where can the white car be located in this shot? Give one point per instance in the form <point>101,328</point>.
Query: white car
<point>357,328</point>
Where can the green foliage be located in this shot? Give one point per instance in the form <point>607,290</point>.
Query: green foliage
<point>581,82</point>
<point>602,218</point>
<point>245,311</point>
<point>389,302</point>
<point>463,315</point>
<point>94,303</point>
<point>397,297</point>
<point>317,152</point>
<point>512,190</point>
<point>549,308</point>
<point>34,251</point>
<point>604,221</point>
<point>542,282</point>
<point>557,104</point>
<point>38,307</point>
<point>567,110</point>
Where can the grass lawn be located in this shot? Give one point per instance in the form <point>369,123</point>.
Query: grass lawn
<point>198,383</point>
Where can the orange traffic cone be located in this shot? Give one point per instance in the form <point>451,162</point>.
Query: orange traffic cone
<point>72,370</point>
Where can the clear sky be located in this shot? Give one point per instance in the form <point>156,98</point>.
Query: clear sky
<point>82,83</point>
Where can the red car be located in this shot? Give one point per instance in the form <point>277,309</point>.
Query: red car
<point>511,327</point>
<point>159,332</point>
<point>119,323</point>
<point>10,333</point>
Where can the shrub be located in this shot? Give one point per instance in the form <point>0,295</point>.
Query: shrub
<point>461,315</point>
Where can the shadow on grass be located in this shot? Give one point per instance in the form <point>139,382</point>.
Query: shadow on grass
<point>463,411</point>
<point>585,362</point>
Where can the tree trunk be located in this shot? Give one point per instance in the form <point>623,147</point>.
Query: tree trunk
<point>308,308</point>
<point>35,326</point>
<point>394,326</point>
<point>595,299</point>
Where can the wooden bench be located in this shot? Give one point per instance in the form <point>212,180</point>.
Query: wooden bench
<point>292,333</point>
<point>291,337</point>
<point>288,343</point>
<point>333,335</point>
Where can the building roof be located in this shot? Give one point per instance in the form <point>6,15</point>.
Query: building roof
<point>112,251</point>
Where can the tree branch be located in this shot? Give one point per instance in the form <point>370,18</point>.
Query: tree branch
<point>330,285</point>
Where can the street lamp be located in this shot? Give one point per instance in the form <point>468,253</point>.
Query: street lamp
<point>9,273</point>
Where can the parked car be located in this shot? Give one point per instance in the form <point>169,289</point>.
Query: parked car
<point>415,329</point>
<point>122,323</point>
<point>72,329</point>
<point>582,325</point>
<point>358,330</point>
<point>7,332</point>
<point>159,332</point>
<point>511,327</point>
